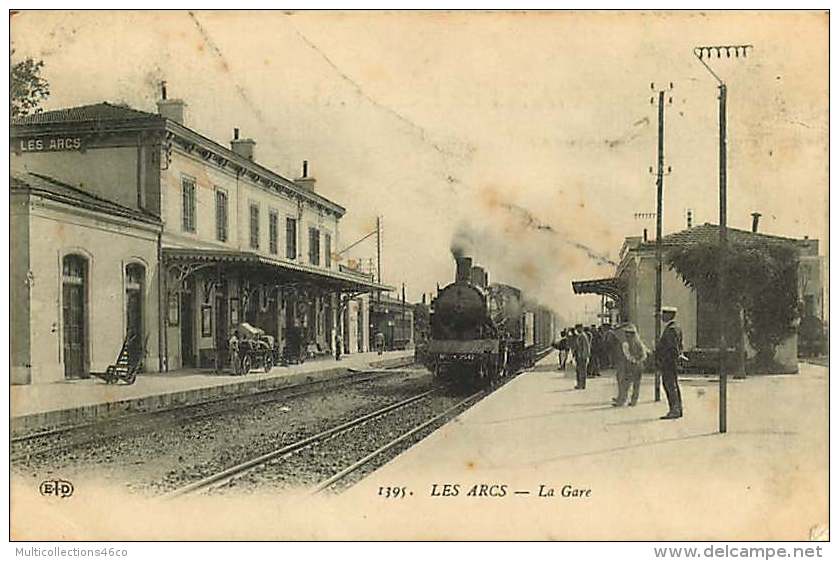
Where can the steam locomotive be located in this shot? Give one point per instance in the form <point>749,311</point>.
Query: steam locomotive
<point>481,332</point>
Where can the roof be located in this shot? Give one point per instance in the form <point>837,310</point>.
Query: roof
<point>95,116</point>
<point>291,270</point>
<point>612,287</point>
<point>385,300</point>
<point>54,189</point>
<point>103,111</point>
<point>710,233</point>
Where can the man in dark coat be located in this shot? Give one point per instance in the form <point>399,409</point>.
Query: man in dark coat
<point>581,347</point>
<point>668,352</point>
<point>596,351</point>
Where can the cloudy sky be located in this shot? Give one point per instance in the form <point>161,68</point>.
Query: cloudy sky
<point>525,136</point>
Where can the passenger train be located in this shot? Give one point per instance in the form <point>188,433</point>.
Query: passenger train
<point>481,332</point>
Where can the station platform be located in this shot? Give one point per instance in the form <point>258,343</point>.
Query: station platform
<point>47,406</point>
<point>557,463</point>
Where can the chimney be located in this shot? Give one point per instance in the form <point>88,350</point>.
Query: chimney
<point>690,218</point>
<point>242,146</point>
<point>172,109</point>
<point>304,180</point>
<point>464,269</point>
<point>478,276</point>
<point>755,220</point>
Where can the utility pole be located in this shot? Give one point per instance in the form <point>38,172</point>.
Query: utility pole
<point>379,255</point>
<point>659,181</point>
<point>723,413</point>
<point>379,249</point>
<point>702,53</point>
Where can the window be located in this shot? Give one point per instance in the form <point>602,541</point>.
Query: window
<point>272,232</point>
<point>254,226</point>
<point>314,246</point>
<point>327,250</point>
<point>291,238</point>
<point>188,196</point>
<point>221,216</point>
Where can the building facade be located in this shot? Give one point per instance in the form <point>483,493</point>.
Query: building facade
<point>75,261</point>
<point>632,289</point>
<point>235,241</point>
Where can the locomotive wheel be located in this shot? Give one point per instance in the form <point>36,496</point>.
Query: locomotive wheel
<point>268,363</point>
<point>246,364</point>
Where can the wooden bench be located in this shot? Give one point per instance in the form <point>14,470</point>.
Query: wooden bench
<point>123,369</point>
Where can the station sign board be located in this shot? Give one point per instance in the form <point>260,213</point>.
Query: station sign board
<point>47,144</point>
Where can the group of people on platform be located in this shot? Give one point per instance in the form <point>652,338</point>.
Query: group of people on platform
<point>594,347</point>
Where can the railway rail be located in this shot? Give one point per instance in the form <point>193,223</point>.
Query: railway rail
<point>43,442</point>
<point>379,452</point>
<point>229,475</point>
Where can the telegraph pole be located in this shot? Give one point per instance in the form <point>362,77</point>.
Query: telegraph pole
<point>722,256</point>
<point>702,53</point>
<point>379,249</point>
<point>659,180</point>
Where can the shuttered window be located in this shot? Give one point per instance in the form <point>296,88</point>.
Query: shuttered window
<point>327,249</point>
<point>291,238</point>
<point>188,204</point>
<point>314,246</point>
<point>272,232</point>
<point>221,216</point>
<point>254,226</point>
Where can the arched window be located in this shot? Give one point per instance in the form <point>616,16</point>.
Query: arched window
<point>135,278</point>
<point>74,315</point>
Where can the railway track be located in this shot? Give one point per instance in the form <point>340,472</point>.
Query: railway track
<point>44,442</point>
<point>231,474</point>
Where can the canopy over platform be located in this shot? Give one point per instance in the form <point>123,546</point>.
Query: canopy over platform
<point>610,287</point>
<point>287,272</point>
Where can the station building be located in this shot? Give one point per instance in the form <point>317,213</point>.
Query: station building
<point>632,289</point>
<point>75,259</point>
<point>113,199</point>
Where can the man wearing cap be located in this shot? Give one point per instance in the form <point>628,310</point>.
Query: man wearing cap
<point>667,353</point>
<point>581,347</point>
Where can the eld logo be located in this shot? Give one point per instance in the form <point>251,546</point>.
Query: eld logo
<point>56,488</point>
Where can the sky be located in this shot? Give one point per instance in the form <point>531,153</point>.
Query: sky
<point>524,137</point>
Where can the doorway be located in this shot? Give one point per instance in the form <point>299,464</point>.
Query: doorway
<point>74,315</point>
<point>134,291</point>
<point>222,327</point>
<point>187,322</point>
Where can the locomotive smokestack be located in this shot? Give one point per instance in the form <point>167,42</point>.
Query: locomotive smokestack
<point>464,269</point>
<point>479,276</point>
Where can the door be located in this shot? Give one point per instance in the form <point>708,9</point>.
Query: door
<point>74,317</point>
<point>134,280</point>
<point>187,331</point>
<point>222,321</point>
